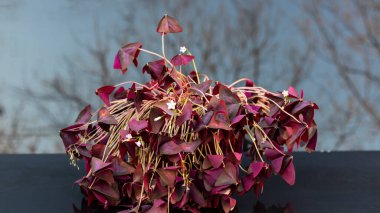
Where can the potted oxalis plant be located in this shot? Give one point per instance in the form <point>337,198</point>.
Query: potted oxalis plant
<point>177,141</point>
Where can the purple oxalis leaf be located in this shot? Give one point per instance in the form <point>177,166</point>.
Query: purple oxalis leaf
<point>170,148</point>
<point>215,160</point>
<point>289,174</point>
<point>181,59</point>
<point>185,115</point>
<point>104,117</point>
<point>292,92</point>
<point>104,93</point>
<point>255,168</point>
<point>98,165</point>
<point>136,125</point>
<point>168,24</point>
<point>85,115</point>
<point>127,54</point>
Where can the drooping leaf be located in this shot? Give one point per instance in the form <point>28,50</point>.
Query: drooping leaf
<point>255,168</point>
<point>185,115</point>
<point>167,176</point>
<point>168,24</point>
<point>127,54</point>
<point>104,117</point>
<point>292,92</point>
<point>120,167</point>
<point>219,120</point>
<point>203,87</point>
<point>138,174</point>
<point>228,204</point>
<point>106,175</point>
<point>70,134</point>
<point>104,93</point>
<point>228,176</point>
<point>84,116</point>
<point>237,119</point>
<point>196,195</point>
<point>181,59</point>
<point>159,206</point>
<point>310,147</point>
<point>215,160</point>
<point>120,93</point>
<point>98,165</point>
<point>136,125</point>
<point>190,146</point>
<point>170,148</point>
<point>156,69</point>
<point>277,164</point>
<point>232,100</point>
<point>111,192</point>
<point>289,174</point>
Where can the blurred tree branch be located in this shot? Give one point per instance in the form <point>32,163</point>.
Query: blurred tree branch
<point>226,48</point>
<point>350,44</point>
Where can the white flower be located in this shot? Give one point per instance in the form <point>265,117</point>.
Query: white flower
<point>171,104</point>
<point>285,93</point>
<point>129,137</point>
<point>182,49</point>
<point>138,143</point>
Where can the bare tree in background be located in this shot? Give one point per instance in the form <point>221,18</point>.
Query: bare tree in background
<point>348,37</point>
<point>226,49</point>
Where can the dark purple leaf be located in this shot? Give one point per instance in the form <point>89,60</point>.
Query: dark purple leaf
<point>203,87</point>
<point>292,92</point>
<point>215,160</point>
<point>228,175</point>
<point>228,204</point>
<point>111,192</point>
<point>69,135</point>
<point>289,174</point>
<point>253,109</point>
<point>156,69</point>
<point>190,146</point>
<point>104,93</point>
<point>310,147</point>
<point>98,165</point>
<point>120,93</point>
<point>197,196</point>
<point>181,59</point>
<point>167,176</point>
<point>168,24</point>
<point>104,117</point>
<point>120,167</point>
<point>255,168</point>
<point>136,125</point>
<point>127,54</point>
<point>84,116</point>
<point>237,119</point>
<point>232,100</point>
<point>170,148</point>
<point>185,115</point>
<point>277,164</point>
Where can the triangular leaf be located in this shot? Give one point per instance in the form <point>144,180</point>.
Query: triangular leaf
<point>168,24</point>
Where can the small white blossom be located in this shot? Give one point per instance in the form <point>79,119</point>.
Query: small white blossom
<point>171,104</point>
<point>129,137</point>
<point>182,49</point>
<point>285,93</point>
<point>138,143</point>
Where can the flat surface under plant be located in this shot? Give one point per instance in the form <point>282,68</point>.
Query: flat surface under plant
<point>327,182</point>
